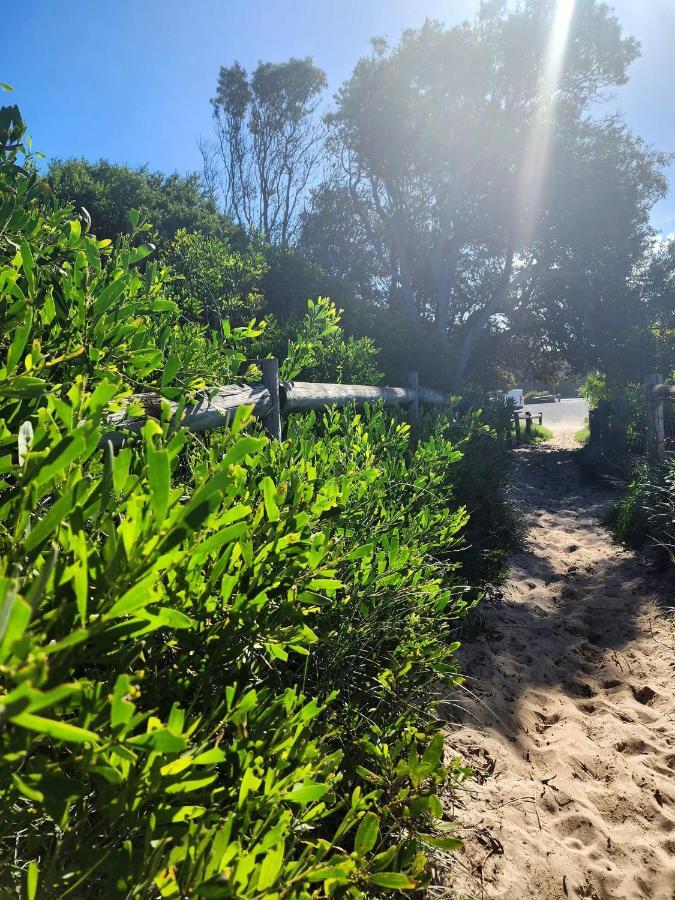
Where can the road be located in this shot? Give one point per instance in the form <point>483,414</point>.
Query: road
<point>568,415</point>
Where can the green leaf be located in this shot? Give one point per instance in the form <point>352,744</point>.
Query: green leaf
<point>322,873</point>
<point>23,386</point>
<point>136,254</point>
<point>41,530</point>
<point>16,348</point>
<point>139,595</point>
<point>161,740</point>
<point>392,880</point>
<point>186,787</point>
<point>433,755</point>
<point>74,447</point>
<point>170,370</point>
<point>367,833</point>
<point>271,867</point>
<point>28,265</point>
<point>26,789</point>
<point>269,491</point>
<point>60,731</point>
<point>32,875</point>
<point>443,843</point>
<point>159,482</point>
<point>109,295</point>
<point>81,573</point>
<point>308,792</point>
<point>15,615</point>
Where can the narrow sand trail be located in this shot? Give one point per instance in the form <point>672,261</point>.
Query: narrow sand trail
<point>570,725</point>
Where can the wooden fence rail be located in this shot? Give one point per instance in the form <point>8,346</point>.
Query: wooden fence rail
<point>272,399</point>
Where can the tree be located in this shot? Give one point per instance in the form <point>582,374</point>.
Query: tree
<point>469,156</point>
<point>108,191</point>
<point>268,144</point>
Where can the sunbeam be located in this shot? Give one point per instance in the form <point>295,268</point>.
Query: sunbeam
<point>537,151</point>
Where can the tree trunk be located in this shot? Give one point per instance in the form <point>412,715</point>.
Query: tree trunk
<point>479,321</point>
<point>405,273</point>
<point>444,269</point>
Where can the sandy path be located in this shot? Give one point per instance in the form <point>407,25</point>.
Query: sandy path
<point>571,728</point>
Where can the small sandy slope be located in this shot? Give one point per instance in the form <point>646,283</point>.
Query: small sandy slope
<point>571,726</point>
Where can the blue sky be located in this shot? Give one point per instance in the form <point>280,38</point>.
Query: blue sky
<point>130,80</point>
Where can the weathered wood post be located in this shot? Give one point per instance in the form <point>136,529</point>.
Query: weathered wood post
<point>592,426</point>
<point>528,423</point>
<point>602,421</point>
<point>656,431</point>
<point>413,383</point>
<point>516,422</point>
<point>270,378</point>
<point>541,418</point>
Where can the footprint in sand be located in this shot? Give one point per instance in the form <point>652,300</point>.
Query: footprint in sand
<point>644,695</point>
<point>635,747</point>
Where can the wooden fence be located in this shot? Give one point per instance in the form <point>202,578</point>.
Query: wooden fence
<point>271,399</point>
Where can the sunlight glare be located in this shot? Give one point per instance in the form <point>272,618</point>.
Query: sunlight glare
<point>535,159</point>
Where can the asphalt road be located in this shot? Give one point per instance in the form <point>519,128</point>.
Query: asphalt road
<point>567,415</point>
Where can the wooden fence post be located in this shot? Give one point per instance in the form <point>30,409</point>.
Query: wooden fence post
<point>413,383</point>
<point>602,414</point>
<point>656,432</point>
<point>528,423</point>
<point>270,378</point>
<point>592,426</point>
<point>516,421</point>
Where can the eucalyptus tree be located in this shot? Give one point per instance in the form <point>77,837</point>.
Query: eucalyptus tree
<point>470,155</point>
<point>268,144</point>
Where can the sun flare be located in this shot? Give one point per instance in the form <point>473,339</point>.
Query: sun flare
<point>537,150</point>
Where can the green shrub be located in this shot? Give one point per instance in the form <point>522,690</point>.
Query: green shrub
<point>481,482</point>
<point>595,388</point>
<point>646,510</point>
<point>212,650</point>
<point>215,281</point>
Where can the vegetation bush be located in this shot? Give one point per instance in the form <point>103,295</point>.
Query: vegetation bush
<point>215,653</point>
<point>646,510</point>
<point>480,428</point>
<point>109,190</point>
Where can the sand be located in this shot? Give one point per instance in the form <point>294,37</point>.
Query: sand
<point>569,715</point>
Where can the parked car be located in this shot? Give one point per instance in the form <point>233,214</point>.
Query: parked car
<point>516,396</point>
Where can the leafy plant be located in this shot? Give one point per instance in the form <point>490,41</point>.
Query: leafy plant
<point>215,653</point>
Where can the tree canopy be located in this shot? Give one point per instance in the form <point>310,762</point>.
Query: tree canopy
<point>473,187</point>
<point>109,190</point>
<point>268,144</point>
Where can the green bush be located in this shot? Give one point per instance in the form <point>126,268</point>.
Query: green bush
<point>646,510</point>
<point>481,482</point>
<point>212,650</point>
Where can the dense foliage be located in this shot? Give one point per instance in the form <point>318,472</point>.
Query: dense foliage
<point>645,509</point>
<point>471,191</point>
<point>107,191</point>
<point>215,654</point>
